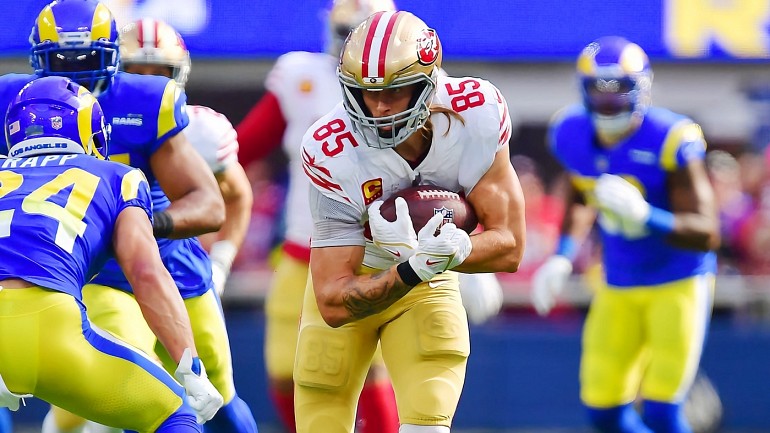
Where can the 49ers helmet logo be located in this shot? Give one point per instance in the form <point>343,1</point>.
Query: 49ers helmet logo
<point>427,47</point>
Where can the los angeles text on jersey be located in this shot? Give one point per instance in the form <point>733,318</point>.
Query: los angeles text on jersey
<point>36,161</point>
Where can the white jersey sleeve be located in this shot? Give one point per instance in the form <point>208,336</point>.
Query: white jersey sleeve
<point>331,168</point>
<point>487,122</point>
<point>213,137</point>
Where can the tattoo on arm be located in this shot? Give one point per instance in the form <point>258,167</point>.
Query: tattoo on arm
<point>371,295</point>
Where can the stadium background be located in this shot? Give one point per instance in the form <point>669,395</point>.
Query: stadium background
<point>711,62</point>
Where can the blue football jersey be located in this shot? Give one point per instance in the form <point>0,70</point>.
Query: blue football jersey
<point>57,216</point>
<point>664,142</point>
<point>144,111</point>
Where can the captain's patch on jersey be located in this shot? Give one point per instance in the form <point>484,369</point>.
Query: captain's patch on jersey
<point>372,190</point>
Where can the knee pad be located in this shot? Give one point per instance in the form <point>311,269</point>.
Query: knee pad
<point>322,359</point>
<point>442,330</point>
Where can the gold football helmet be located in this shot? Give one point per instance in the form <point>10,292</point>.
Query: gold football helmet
<point>389,49</point>
<point>345,15</point>
<point>153,42</point>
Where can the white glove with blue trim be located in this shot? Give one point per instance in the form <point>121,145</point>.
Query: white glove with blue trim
<point>201,394</point>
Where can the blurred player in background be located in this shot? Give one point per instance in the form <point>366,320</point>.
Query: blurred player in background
<point>152,47</point>
<point>641,169</point>
<point>302,87</point>
<point>401,123</point>
<point>68,211</point>
<point>79,39</point>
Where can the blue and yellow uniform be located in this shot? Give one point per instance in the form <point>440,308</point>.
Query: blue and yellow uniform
<point>648,324</point>
<point>61,211</point>
<point>144,112</point>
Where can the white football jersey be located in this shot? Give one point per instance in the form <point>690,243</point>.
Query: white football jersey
<point>307,88</point>
<point>213,136</point>
<point>342,167</point>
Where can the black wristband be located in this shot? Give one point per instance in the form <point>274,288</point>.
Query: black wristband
<point>407,274</point>
<point>162,224</point>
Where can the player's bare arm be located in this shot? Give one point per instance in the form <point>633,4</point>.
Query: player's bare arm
<point>499,204</point>
<point>196,203</point>
<point>342,295</point>
<point>137,253</point>
<point>236,192</point>
<point>579,218</point>
<point>696,222</point>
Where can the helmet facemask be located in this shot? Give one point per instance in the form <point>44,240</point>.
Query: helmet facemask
<point>402,124</point>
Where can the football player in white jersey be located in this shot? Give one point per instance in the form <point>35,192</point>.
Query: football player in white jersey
<point>300,88</point>
<point>152,47</point>
<point>400,124</point>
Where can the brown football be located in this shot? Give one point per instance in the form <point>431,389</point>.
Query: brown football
<point>424,201</point>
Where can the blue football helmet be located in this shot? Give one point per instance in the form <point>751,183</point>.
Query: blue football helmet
<point>615,80</point>
<point>54,115</point>
<point>77,39</point>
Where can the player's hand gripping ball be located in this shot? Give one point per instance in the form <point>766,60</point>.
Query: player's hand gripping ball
<point>427,200</point>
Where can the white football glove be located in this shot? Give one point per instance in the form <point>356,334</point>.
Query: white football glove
<point>482,296</point>
<point>616,196</point>
<point>9,399</point>
<point>548,282</point>
<point>201,394</point>
<point>436,254</point>
<point>222,255</point>
<point>396,238</point>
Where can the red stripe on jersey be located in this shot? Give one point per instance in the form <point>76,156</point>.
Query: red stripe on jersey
<point>325,184</point>
<point>384,45</point>
<point>505,135</point>
<point>368,44</point>
<point>310,161</point>
<point>500,100</point>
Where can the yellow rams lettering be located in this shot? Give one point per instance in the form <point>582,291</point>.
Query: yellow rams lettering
<point>739,28</point>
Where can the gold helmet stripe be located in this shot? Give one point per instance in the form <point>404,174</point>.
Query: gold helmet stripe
<point>46,25</point>
<point>101,25</point>
<point>85,111</point>
<point>376,44</point>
